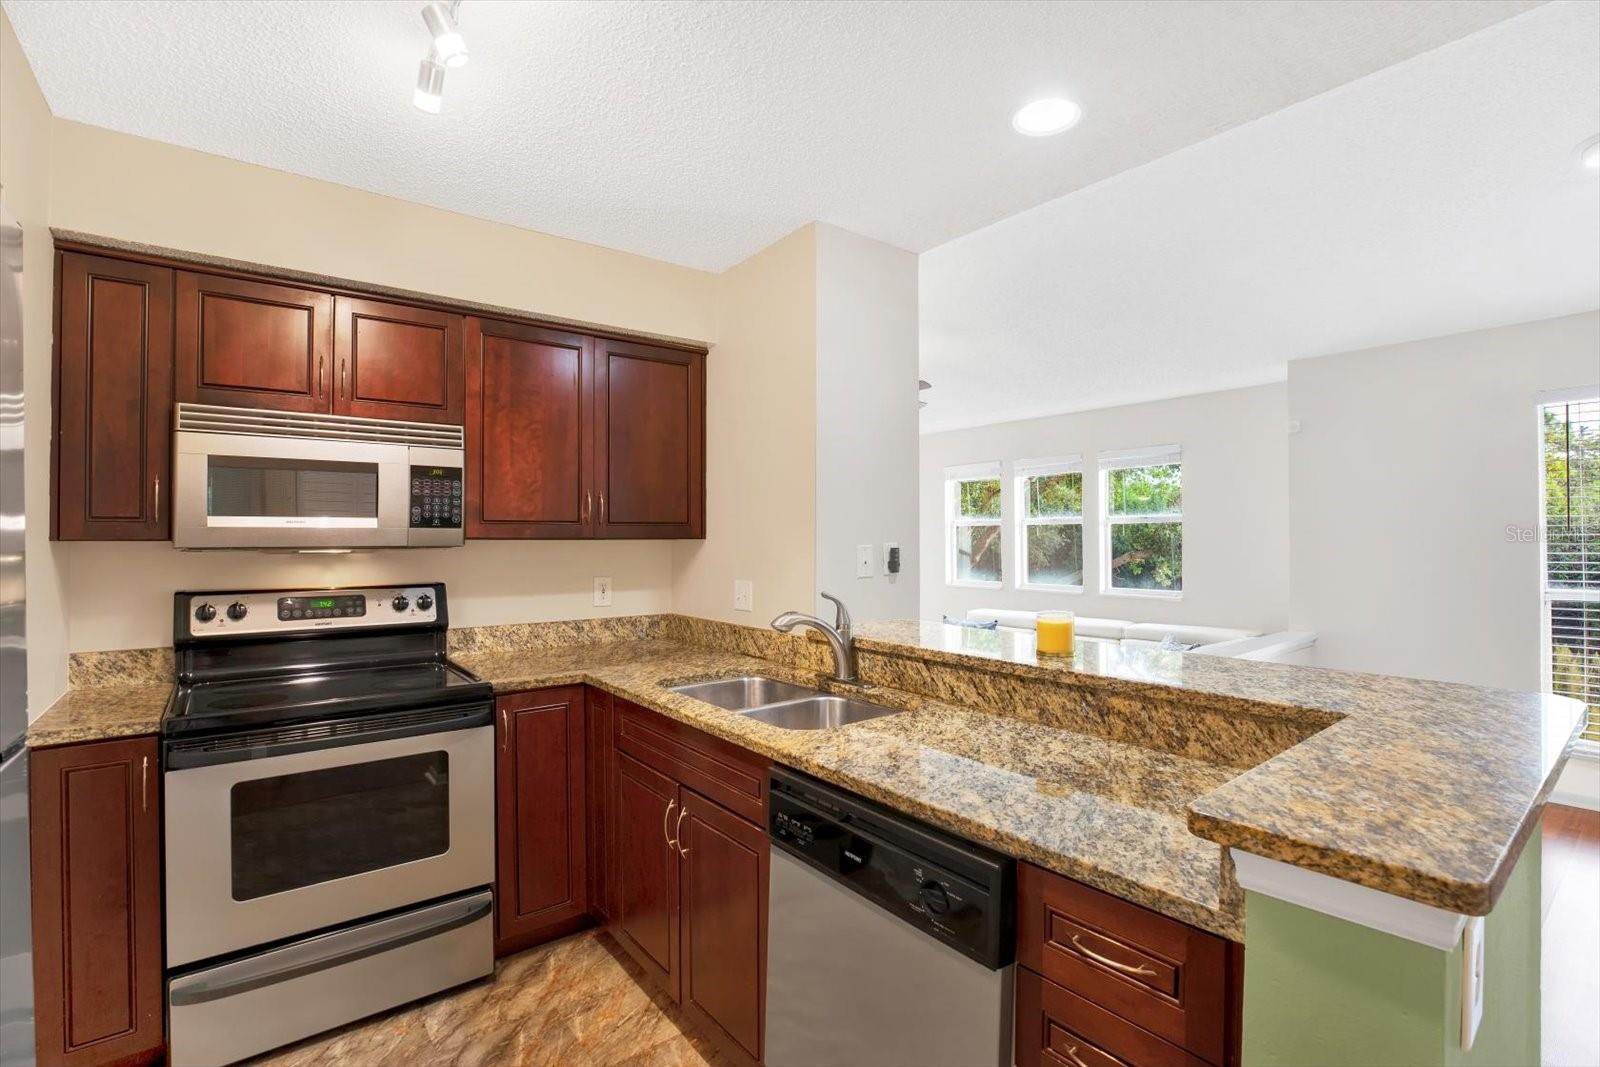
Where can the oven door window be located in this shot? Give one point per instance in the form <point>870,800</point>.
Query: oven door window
<point>297,830</point>
<point>257,491</point>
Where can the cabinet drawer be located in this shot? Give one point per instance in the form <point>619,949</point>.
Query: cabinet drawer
<point>1163,975</point>
<point>712,767</point>
<point>1058,1028</point>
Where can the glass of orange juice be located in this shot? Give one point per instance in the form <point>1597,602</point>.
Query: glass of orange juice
<point>1056,630</point>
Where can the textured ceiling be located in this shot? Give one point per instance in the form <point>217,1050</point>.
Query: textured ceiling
<point>700,132</point>
<point>1437,196</point>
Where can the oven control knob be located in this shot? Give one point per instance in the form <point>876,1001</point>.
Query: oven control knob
<point>400,603</point>
<point>934,898</point>
<point>237,611</point>
<point>424,602</point>
<point>205,612</point>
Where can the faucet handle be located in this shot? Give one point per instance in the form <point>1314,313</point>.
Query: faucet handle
<point>841,614</point>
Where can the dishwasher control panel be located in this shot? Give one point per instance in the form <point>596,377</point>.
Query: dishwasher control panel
<point>955,891</point>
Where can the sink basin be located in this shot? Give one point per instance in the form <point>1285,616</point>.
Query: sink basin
<point>744,692</point>
<point>820,712</point>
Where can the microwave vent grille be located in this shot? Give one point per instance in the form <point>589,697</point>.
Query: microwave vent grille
<point>212,418</point>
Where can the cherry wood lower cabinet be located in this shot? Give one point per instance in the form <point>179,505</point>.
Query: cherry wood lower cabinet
<point>1104,981</point>
<point>689,882</point>
<point>95,814</point>
<point>541,875</point>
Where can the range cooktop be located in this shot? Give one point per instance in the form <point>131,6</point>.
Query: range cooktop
<point>254,660</point>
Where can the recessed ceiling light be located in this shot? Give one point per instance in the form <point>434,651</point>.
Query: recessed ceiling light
<point>1589,154</point>
<point>1044,117</point>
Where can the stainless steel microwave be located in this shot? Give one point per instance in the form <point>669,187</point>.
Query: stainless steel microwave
<point>246,478</point>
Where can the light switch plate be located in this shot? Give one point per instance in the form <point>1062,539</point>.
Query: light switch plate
<point>1472,958</point>
<point>863,561</point>
<point>602,592</point>
<point>744,595</point>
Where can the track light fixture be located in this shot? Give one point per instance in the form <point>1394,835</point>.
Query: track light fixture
<point>449,49</point>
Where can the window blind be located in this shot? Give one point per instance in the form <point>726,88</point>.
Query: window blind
<point>1570,436</point>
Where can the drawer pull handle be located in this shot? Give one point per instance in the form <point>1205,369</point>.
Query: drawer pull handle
<point>677,831</point>
<point>1072,1054</point>
<point>665,817</point>
<point>1141,970</point>
<point>505,730</point>
<point>144,784</point>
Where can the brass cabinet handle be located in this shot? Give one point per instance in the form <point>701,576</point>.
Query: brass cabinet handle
<point>344,366</point>
<point>602,505</point>
<point>1140,970</point>
<point>156,507</point>
<point>1072,1054</point>
<point>505,730</point>
<point>677,831</point>
<point>144,784</point>
<point>666,816</point>
<point>588,505</point>
<point>320,387</point>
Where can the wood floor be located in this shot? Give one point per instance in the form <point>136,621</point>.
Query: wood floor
<point>1570,982</point>
<point>573,1003</point>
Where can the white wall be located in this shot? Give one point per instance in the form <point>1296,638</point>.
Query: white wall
<point>866,422</point>
<point>1411,462</point>
<point>1236,506</point>
<point>25,174</point>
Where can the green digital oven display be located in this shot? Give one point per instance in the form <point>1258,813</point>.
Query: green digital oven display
<point>328,603</point>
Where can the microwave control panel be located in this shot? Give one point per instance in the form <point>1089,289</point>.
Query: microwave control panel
<point>436,499</point>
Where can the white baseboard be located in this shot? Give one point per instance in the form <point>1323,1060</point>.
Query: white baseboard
<point>1579,784</point>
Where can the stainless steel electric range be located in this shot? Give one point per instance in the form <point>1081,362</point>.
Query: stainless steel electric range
<point>329,779</point>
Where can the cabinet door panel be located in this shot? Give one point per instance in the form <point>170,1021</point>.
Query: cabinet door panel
<point>649,441</point>
<point>397,362</point>
<point>252,344</point>
<point>723,897</point>
<point>96,870</point>
<point>602,771</point>
<point>646,919</point>
<point>541,876</point>
<point>113,400</point>
<point>528,441</point>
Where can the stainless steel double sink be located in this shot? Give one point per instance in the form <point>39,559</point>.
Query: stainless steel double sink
<point>782,704</point>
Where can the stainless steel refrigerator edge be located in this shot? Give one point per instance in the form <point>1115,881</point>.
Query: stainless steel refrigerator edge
<point>16,935</point>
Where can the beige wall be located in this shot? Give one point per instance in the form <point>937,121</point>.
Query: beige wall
<point>24,177</point>
<point>760,441</point>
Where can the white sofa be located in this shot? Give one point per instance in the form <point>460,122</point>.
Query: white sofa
<point>1210,640</point>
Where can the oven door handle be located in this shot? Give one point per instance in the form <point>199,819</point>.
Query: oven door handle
<point>329,950</point>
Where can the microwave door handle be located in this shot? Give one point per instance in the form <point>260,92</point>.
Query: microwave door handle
<point>329,950</point>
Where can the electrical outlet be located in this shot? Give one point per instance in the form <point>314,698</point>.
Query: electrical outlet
<point>744,595</point>
<point>863,561</point>
<point>1471,980</point>
<point>602,592</point>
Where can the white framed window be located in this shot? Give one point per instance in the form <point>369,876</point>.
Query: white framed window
<point>1049,505</point>
<point>1569,533</point>
<point>1141,522</point>
<point>972,525</point>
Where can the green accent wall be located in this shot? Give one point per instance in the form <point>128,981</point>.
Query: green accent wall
<point>1324,992</point>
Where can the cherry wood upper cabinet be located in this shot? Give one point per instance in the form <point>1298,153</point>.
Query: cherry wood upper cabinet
<point>529,449</point>
<point>113,400</point>
<point>253,344</point>
<point>649,440</point>
<point>541,879</point>
<point>96,873</point>
<point>395,361</point>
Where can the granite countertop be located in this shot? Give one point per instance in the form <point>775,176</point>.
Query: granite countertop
<point>100,712</point>
<point>1426,790</point>
<point>1103,812</point>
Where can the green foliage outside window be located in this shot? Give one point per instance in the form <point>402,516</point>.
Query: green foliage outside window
<point>1572,551</point>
